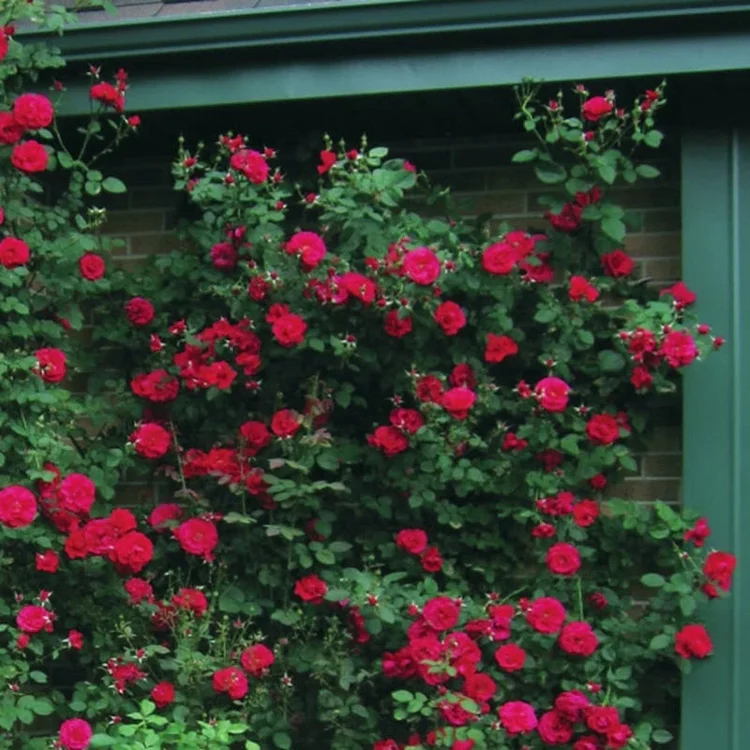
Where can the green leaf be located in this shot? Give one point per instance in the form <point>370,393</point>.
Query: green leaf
<point>551,173</point>
<point>113,185</point>
<point>661,736</point>
<point>403,696</point>
<point>687,605</point>
<point>611,361</point>
<point>653,138</point>
<point>608,173</point>
<point>653,580</point>
<point>282,740</point>
<point>647,171</point>
<point>102,740</point>
<point>570,445</point>
<point>325,556</point>
<point>521,157</point>
<point>613,228</point>
<point>659,642</point>
<point>336,595</point>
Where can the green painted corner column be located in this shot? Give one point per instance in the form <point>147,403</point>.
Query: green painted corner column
<point>716,265</point>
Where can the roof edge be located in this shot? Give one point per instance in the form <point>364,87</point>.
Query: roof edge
<point>352,21</point>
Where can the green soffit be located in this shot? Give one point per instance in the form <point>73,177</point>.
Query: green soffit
<point>357,48</point>
<point>367,19</point>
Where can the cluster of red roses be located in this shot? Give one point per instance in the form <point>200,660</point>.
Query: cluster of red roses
<point>30,112</point>
<point>449,659</point>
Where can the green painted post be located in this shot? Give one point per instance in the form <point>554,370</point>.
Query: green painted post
<point>716,258</point>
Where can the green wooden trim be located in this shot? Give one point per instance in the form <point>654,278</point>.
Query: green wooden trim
<point>716,231</point>
<point>357,21</point>
<point>214,83</point>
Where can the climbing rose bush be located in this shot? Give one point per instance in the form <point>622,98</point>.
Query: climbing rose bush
<point>385,442</point>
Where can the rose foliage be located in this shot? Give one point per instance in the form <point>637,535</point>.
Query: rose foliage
<point>382,442</point>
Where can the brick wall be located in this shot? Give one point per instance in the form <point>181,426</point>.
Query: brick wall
<point>483,180</point>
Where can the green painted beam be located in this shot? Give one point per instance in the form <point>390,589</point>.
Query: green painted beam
<point>716,232</point>
<point>357,21</point>
<point>236,81</point>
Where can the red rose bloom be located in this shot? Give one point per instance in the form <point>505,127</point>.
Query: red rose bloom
<point>191,600</point>
<point>397,326</point>
<point>91,266</point>
<point>678,348</point>
<point>157,386</point>
<point>413,541</point>
<point>10,131</point>
<point>133,552</point>
<point>17,507</point>
<point>310,248</point>
<point>462,375</point>
<point>151,440</point>
<point>682,296</point>
<point>47,562</point>
<point>224,256</point>
<point>719,569</point>
<point>432,560</point>
<point>33,111</point>
<point>255,436</point>
<point>552,394</point>
<point>407,420</point>
<point>450,317</point>
<point>585,513</point>
<point>578,639</point>
<point>517,717</point>
<point>252,164</point>
<point>232,681</point>
<point>510,657</point>
<point>441,613</point>
<point>75,639</point>
<point>140,311</point>
<point>75,734</point>
<point>554,729</point>
<point>138,590</point>
<point>570,705</point>
<point>162,514</point>
<point>422,266</point>
<point>327,160</point>
<point>602,429</point>
<point>289,330</point>
<point>108,95</point>
<point>389,440</point>
<point>50,365</point>
<point>499,259</point>
<point>30,157</point>
<point>601,719</point>
<point>34,619</point>
<point>311,589</point>
<point>76,494</point>
<point>546,615</point>
<point>641,378</point>
<point>563,559</point>
<point>617,264</point>
<point>458,401</point>
<point>285,423</point>
<point>580,288</point>
<point>162,694</point>
<point>429,389</point>
<point>499,347</point>
<point>596,107</point>
<point>198,536</point>
<point>257,659</point>
<point>14,253</point>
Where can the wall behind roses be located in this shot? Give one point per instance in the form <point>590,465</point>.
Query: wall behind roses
<point>478,170</point>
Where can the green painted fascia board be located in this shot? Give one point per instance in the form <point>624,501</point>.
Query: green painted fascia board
<point>290,79</point>
<point>716,480</point>
<point>356,21</point>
